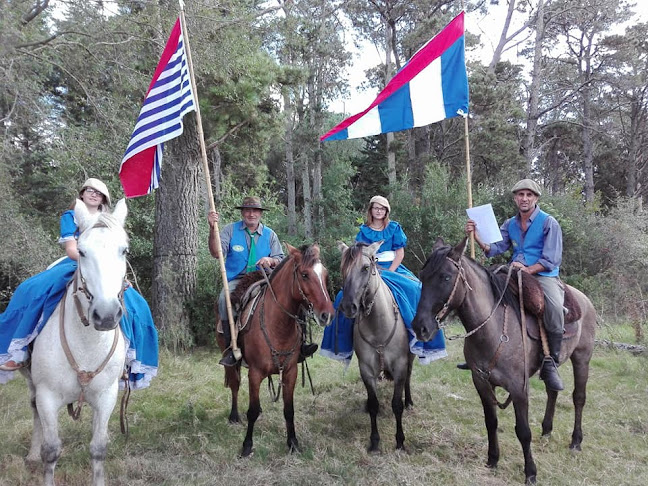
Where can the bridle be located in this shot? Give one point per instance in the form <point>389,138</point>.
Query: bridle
<point>84,377</point>
<point>461,274</point>
<point>83,288</point>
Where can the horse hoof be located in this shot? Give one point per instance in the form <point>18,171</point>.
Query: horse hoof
<point>246,452</point>
<point>575,447</point>
<point>234,419</point>
<point>530,480</point>
<point>294,449</point>
<point>491,465</point>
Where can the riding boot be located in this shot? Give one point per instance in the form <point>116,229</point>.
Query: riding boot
<point>549,371</point>
<point>307,349</point>
<point>228,358</point>
<point>463,366</point>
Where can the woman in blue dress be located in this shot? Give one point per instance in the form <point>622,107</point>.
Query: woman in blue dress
<point>34,301</point>
<point>337,342</point>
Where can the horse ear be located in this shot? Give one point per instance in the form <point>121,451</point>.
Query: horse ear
<point>120,211</point>
<point>82,216</point>
<point>439,243</point>
<point>342,246</point>
<point>459,250</point>
<point>290,248</point>
<point>373,248</point>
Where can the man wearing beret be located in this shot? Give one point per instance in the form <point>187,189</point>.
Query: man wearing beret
<point>536,239</point>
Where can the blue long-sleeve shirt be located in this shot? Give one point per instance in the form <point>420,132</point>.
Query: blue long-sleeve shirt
<point>551,251</point>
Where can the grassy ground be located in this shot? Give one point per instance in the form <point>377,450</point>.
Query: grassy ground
<point>179,433</point>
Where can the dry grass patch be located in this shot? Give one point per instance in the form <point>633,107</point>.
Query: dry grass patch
<point>179,433</point>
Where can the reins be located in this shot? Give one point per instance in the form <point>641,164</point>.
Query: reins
<point>280,357</point>
<point>461,274</point>
<point>84,377</point>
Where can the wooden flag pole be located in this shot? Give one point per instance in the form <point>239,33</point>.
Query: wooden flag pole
<point>469,181</point>
<point>210,194</point>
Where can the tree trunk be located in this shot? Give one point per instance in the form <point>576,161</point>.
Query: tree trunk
<point>391,155</point>
<point>175,244</point>
<point>215,163</point>
<point>289,162</point>
<point>306,189</point>
<point>534,92</point>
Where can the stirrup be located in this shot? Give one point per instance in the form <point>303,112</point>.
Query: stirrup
<point>228,359</point>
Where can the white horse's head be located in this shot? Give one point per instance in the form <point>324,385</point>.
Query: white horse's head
<point>103,245</point>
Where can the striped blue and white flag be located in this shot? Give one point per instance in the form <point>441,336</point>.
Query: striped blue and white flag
<point>168,99</point>
<point>432,86</point>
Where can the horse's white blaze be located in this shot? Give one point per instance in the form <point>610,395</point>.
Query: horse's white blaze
<point>318,268</point>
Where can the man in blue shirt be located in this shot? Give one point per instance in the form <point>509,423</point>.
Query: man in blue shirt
<point>536,240</point>
<point>247,245</point>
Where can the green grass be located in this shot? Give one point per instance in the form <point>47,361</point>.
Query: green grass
<point>179,433</point>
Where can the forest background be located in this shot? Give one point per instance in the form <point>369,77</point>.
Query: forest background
<point>570,110</point>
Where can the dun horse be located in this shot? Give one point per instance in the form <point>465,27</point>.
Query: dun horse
<point>73,362</point>
<point>271,340</point>
<point>380,339</point>
<point>496,346</point>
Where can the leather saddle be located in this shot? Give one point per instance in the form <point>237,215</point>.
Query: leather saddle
<point>533,298</point>
<point>245,298</point>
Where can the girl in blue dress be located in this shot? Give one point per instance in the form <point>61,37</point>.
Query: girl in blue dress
<point>337,342</point>
<point>34,301</point>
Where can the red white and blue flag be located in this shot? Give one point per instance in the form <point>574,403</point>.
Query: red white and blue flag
<point>168,99</point>
<point>431,87</point>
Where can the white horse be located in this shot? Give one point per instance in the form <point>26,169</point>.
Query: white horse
<point>79,355</point>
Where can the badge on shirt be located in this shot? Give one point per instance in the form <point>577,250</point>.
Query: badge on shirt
<point>237,248</point>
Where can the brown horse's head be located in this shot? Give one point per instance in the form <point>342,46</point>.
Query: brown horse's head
<point>311,278</point>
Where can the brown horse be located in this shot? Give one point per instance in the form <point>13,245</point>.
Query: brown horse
<point>495,346</point>
<point>379,334</point>
<point>270,342</point>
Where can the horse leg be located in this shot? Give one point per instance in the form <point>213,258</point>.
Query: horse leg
<point>233,382</point>
<point>550,410</point>
<point>51,445</point>
<point>408,378</point>
<point>37,433</point>
<point>397,408</point>
<point>581,374</point>
<point>254,409</point>
<point>490,418</point>
<point>523,432</point>
<point>372,407</point>
<point>99,443</point>
<point>289,409</point>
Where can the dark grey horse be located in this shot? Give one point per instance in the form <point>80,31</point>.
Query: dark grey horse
<point>495,348</point>
<point>380,339</point>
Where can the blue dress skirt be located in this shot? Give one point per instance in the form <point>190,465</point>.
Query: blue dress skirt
<point>34,301</point>
<point>337,342</point>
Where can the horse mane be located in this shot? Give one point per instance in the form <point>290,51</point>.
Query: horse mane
<point>496,284</point>
<point>310,256</point>
<point>107,220</point>
<point>350,256</point>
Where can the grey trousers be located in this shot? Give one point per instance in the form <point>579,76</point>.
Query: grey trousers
<point>222,305</point>
<point>554,294</point>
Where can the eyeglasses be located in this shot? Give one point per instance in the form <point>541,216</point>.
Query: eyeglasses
<point>90,190</point>
<point>376,208</point>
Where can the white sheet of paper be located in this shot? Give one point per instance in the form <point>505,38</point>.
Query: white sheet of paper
<point>487,227</point>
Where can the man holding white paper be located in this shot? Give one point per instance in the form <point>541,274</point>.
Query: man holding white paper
<point>536,240</point>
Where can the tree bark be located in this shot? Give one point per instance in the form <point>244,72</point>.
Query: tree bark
<point>175,244</point>
<point>534,92</point>
<point>306,189</point>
